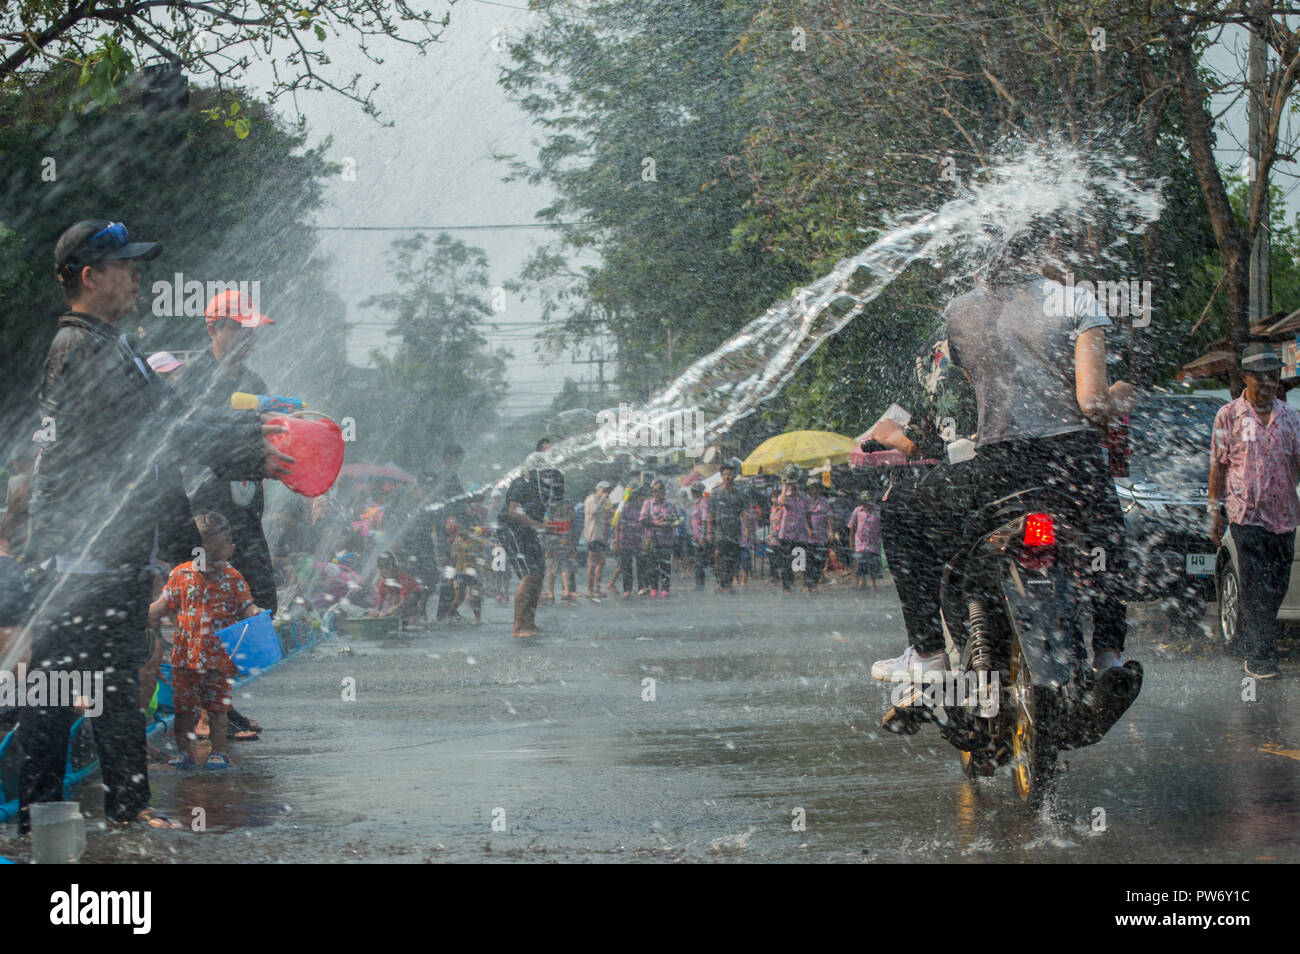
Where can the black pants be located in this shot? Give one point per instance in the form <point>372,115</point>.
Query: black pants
<point>786,566</point>
<point>90,623</point>
<point>523,549</point>
<point>1264,562</point>
<point>660,565</point>
<point>728,554</point>
<point>816,564</point>
<point>924,517</point>
<point>629,560</point>
<point>702,558</point>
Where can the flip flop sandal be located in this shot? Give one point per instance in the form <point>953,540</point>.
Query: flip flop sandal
<point>242,735</point>
<point>181,762</point>
<point>145,818</point>
<point>217,761</point>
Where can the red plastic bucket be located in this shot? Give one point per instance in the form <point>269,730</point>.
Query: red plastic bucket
<point>317,449</point>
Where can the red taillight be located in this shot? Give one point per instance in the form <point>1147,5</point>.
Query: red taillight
<point>1039,530</point>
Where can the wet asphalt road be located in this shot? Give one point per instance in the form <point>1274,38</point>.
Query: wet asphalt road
<point>762,706</point>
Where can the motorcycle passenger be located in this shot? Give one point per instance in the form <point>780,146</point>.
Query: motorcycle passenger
<point>1036,353</point>
<point>915,523</point>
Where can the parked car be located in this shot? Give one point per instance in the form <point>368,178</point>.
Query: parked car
<point>1164,499</point>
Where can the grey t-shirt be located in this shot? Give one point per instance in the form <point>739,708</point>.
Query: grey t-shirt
<point>1017,344</point>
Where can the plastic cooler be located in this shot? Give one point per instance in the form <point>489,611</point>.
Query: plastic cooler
<point>252,643</point>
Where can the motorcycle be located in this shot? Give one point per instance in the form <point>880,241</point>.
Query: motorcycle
<point>1020,689</point>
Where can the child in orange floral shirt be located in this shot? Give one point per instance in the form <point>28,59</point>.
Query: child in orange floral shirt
<point>203,596</point>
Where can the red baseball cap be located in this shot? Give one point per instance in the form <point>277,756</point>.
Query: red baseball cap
<point>236,306</point>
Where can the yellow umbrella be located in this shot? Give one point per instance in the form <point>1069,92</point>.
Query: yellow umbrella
<point>801,448</point>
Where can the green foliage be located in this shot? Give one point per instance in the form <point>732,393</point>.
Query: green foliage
<point>212,40</point>
<point>104,70</point>
<point>231,119</point>
<point>443,383</point>
<point>640,112</point>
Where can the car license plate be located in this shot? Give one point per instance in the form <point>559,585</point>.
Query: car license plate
<point>1200,564</point>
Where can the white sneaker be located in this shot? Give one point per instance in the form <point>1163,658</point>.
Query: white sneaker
<point>905,668</point>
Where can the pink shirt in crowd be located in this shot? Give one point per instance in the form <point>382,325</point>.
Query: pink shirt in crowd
<point>865,524</point>
<point>819,512</point>
<point>794,510</point>
<point>1263,464</point>
<point>651,511</point>
<point>700,519</point>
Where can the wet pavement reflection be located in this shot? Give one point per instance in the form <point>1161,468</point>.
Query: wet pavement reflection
<point>705,728</point>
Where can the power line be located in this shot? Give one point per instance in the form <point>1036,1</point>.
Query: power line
<point>450,228</point>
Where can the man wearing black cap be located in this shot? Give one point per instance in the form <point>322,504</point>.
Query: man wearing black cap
<point>1255,454</point>
<point>107,507</point>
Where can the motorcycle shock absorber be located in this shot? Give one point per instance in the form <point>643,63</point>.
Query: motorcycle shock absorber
<point>981,640</point>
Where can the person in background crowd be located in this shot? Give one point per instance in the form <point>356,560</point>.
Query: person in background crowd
<point>793,527</point>
<point>498,574</point>
<point>727,526</point>
<point>681,549</point>
<point>699,525</point>
<point>523,518</point>
<point>751,545</point>
<point>597,512</point>
<point>841,536</point>
<point>660,519</point>
<point>819,534</point>
<point>629,542</point>
<point>396,593</point>
<point>773,547</point>
<point>1255,455</point>
<point>445,499</point>
<point>469,556</point>
<point>864,524</point>
<point>561,552</point>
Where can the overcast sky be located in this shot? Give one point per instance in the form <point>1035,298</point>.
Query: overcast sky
<point>435,168</point>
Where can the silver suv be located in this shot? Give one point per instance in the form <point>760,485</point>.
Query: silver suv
<point>1164,500</point>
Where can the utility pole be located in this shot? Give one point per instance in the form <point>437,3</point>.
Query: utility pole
<point>1260,306</point>
<point>597,357</point>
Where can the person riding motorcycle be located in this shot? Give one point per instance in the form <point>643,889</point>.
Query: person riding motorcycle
<point>1035,353</point>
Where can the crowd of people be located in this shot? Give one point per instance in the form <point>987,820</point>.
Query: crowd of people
<point>623,539</point>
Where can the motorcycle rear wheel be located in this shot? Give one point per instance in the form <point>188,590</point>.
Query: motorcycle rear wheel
<point>1034,734</point>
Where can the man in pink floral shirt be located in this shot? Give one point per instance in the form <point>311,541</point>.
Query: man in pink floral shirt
<point>1255,454</point>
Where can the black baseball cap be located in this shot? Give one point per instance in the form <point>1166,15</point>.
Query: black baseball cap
<point>91,241</point>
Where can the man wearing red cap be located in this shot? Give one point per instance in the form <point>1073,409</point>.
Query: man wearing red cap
<point>228,487</point>
<point>207,381</point>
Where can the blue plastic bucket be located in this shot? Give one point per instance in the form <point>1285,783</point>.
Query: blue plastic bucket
<point>165,703</point>
<point>252,642</point>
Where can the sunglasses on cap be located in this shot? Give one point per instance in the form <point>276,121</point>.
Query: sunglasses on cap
<point>112,236</point>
